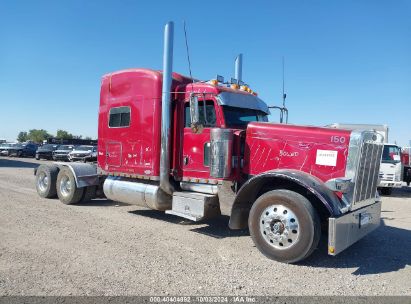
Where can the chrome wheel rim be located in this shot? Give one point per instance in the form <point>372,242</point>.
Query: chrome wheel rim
<point>65,186</point>
<point>43,181</point>
<point>279,226</point>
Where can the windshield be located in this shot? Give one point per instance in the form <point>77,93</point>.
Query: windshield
<point>49,146</point>
<point>240,117</point>
<point>84,148</point>
<point>391,154</point>
<point>65,147</point>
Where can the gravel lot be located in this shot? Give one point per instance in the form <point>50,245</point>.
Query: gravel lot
<point>106,248</point>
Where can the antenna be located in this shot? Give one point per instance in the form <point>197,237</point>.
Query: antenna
<point>188,53</point>
<point>284,95</point>
<point>283,110</point>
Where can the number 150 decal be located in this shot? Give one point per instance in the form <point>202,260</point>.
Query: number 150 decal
<point>338,139</point>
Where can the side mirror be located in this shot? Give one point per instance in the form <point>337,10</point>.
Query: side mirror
<point>196,126</point>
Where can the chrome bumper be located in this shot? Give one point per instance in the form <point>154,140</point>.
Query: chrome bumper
<point>384,183</point>
<point>349,228</point>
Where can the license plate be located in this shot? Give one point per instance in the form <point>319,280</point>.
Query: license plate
<point>364,219</point>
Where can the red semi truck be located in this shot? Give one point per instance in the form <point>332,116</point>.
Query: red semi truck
<point>199,149</point>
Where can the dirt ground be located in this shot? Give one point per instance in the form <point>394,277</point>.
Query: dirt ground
<point>107,248</point>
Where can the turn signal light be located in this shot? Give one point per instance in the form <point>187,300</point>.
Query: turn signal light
<point>331,249</point>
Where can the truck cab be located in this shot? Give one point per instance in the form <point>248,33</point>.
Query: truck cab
<point>391,169</point>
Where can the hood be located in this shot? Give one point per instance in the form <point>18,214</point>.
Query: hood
<point>62,151</point>
<point>81,151</point>
<point>319,151</point>
<point>44,150</point>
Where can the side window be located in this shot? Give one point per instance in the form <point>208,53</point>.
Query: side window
<point>207,118</point>
<point>119,117</point>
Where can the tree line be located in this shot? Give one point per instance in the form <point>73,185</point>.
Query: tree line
<point>38,135</point>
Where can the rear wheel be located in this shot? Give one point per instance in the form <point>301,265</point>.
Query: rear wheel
<point>46,177</point>
<point>67,190</point>
<point>284,226</point>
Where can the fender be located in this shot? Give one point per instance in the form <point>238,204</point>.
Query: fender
<point>299,181</point>
<point>84,174</point>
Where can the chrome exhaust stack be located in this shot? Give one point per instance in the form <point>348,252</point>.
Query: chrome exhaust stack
<point>238,67</point>
<point>165,184</point>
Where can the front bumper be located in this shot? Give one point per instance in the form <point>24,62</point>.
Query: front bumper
<point>82,158</point>
<point>15,152</point>
<point>46,155</point>
<point>350,227</point>
<point>60,157</point>
<point>389,184</point>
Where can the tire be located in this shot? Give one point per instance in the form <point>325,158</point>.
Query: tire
<point>294,219</point>
<point>386,191</point>
<point>89,193</point>
<point>67,190</point>
<point>46,177</point>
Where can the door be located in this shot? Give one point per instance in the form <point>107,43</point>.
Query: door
<point>196,146</point>
<point>113,154</point>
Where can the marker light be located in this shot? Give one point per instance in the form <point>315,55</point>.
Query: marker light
<point>243,88</point>
<point>213,82</point>
<point>234,86</point>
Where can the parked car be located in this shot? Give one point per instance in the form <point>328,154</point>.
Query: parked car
<point>83,153</point>
<point>46,151</point>
<point>23,150</point>
<point>4,148</point>
<point>62,152</point>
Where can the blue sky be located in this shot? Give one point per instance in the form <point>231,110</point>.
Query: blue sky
<point>346,61</point>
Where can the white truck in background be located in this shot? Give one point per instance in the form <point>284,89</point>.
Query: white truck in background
<point>391,168</point>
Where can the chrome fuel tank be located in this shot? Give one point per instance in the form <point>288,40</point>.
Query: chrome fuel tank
<point>136,193</point>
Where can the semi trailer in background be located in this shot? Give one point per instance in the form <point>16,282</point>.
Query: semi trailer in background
<point>198,149</point>
<point>391,168</point>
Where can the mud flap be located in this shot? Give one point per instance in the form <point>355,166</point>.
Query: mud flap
<point>349,228</point>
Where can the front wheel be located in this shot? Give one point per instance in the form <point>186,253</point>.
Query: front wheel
<point>284,226</point>
<point>386,191</point>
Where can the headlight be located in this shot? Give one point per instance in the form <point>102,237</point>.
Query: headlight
<point>340,184</point>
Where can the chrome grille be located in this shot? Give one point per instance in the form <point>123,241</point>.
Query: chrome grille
<point>367,171</point>
<point>387,177</point>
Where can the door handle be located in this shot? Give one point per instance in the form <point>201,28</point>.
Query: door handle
<point>185,160</point>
